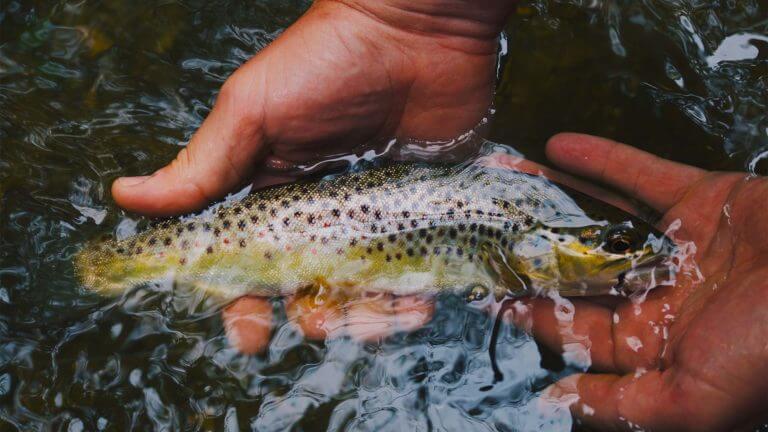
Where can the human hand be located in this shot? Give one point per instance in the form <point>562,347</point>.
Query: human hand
<point>692,355</point>
<point>346,73</point>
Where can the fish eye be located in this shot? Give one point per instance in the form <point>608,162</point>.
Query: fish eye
<point>621,239</point>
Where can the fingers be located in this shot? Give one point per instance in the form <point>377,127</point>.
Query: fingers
<point>611,336</point>
<point>366,319</point>
<point>658,182</point>
<point>219,157</point>
<point>656,400</point>
<point>248,323</point>
<point>579,330</point>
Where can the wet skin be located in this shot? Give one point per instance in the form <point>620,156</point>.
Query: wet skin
<point>388,71</point>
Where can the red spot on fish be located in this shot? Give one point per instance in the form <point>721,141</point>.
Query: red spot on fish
<point>226,241</point>
<point>314,251</point>
<point>287,247</point>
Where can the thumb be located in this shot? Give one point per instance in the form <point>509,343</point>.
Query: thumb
<point>220,156</point>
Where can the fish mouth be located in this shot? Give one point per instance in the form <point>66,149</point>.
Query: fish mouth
<point>646,276</point>
<point>642,277</point>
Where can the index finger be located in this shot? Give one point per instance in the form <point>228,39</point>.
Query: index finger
<point>658,182</point>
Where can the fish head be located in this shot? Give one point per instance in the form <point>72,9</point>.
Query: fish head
<point>612,258</point>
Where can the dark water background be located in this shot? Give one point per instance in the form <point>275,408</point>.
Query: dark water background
<point>90,91</point>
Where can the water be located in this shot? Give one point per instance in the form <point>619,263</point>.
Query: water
<point>93,91</point>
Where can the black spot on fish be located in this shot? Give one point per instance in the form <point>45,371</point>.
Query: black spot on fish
<point>364,208</point>
<point>406,214</point>
<point>296,197</point>
<point>216,232</point>
<point>286,221</point>
<point>452,233</point>
<point>206,226</point>
<point>479,212</point>
<point>377,214</point>
<point>429,238</point>
<point>139,250</point>
<point>273,212</point>
<point>423,251</point>
<point>473,227</point>
<point>400,227</point>
<point>422,232</point>
<point>179,230</point>
<point>241,224</point>
<point>441,232</point>
<point>504,242</point>
<point>237,210</point>
<point>226,224</point>
<point>515,227</point>
<point>209,250</point>
<point>297,214</point>
<point>254,219</point>
<point>414,223</point>
<point>336,213</point>
<point>152,241</point>
<point>436,250</point>
<point>120,250</point>
<point>268,255</point>
<point>347,196</point>
<point>353,242</point>
<point>285,203</point>
<point>351,214</point>
<point>369,250</point>
<point>262,206</point>
<point>183,261</point>
<point>398,256</point>
<point>462,227</point>
<point>248,205</point>
<point>481,230</point>
<point>528,220</point>
<point>459,204</point>
<point>311,219</point>
<point>190,226</point>
<point>473,241</point>
<point>167,241</point>
<point>459,251</point>
<point>242,243</point>
<point>374,228</point>
<point>388,258</point>
<point>380,246</point>
<point>409,236</point>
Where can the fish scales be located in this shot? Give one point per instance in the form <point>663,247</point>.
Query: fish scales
<point>399,229</point>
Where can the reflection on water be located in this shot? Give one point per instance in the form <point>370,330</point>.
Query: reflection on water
<point>91,91</point>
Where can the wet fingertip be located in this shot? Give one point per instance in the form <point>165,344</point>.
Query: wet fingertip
<point>127,182</point>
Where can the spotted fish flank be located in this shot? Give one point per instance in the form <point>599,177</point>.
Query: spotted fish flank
<point>402,229</point>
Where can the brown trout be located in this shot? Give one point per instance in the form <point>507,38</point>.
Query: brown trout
<point>401,229</point>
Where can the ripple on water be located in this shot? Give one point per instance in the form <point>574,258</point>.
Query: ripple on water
<point>90,91</point>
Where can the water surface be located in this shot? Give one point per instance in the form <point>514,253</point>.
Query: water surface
<point>90,91</point>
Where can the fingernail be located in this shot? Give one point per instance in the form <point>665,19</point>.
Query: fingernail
<point>132,181</point>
